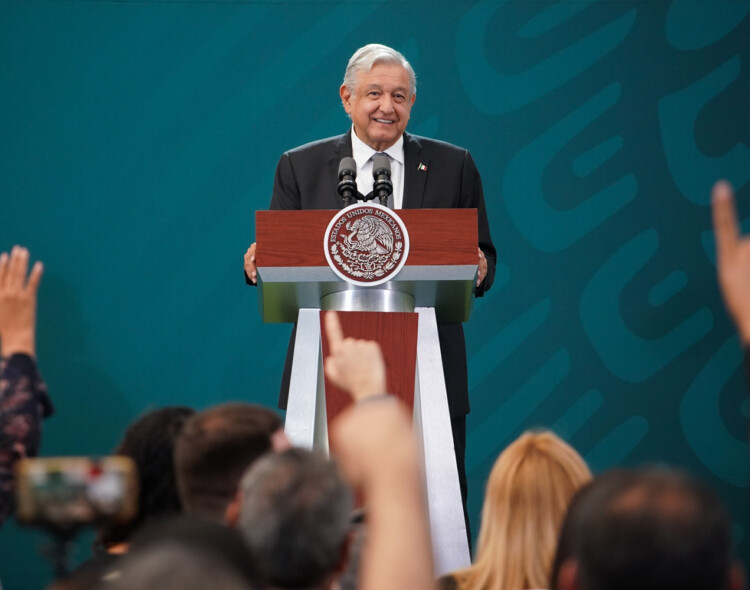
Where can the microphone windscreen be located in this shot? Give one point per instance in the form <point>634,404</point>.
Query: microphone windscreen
<point>381,164</point>
<point>347,167</point>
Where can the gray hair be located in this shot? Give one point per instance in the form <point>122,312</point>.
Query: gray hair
<point>368,56</point>
<point>295,516</point>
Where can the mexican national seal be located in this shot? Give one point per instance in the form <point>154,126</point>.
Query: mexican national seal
<point>366,244</point>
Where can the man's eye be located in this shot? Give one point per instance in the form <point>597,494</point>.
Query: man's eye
<point>399,97</point>
<point>373,93</point>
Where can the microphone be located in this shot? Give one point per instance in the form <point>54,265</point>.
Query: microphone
<point>347,188</point>
<point>382,188</point>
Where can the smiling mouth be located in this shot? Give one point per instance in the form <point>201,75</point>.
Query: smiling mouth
<point>385,121</point>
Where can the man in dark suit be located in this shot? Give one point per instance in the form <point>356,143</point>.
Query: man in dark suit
<point>378,92</point>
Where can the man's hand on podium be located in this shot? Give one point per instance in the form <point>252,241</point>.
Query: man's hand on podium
<point>354,365</point>
<point>482,271</point>
<point>250,269</point>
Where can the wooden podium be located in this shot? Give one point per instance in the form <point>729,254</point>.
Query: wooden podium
<point>296,284</point>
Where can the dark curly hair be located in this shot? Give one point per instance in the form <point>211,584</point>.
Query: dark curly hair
<point>150,441</point>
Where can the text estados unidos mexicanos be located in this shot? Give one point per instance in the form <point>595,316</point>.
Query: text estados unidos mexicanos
<point>364,211</point>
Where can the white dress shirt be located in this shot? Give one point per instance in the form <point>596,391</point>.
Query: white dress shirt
<point>363,153</point>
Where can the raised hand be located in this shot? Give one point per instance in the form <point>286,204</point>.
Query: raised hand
<point>18,302</point>
<point>732,258</point>
<point>354,365</point>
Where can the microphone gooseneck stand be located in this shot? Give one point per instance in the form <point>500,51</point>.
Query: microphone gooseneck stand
<point>382,187</point>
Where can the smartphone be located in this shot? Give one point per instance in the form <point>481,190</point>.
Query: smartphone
<point>66,492</point>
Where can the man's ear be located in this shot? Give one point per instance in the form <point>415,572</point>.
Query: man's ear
<point>567,576</point>
<point>346,98</point>
<point>232,513</point>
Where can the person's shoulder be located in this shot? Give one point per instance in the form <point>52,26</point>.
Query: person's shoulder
<point>436,144</point>
<point>320,144</point>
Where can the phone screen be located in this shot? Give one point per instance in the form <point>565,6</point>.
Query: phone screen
<point>69,491</point>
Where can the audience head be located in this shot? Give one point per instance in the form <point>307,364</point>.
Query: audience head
<point>215,448</point>
<point>651,529</point>
<point>528,492</point>
<point>295,516</point>
<point>150,442</point>
<point>186,553</point>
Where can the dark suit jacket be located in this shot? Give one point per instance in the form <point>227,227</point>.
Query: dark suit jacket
<point>437,175</point>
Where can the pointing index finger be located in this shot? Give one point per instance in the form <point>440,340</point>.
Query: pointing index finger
<point>333,330</point>
<point>726,227</point>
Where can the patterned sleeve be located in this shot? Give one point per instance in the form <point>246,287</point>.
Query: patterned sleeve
<point>23,404</point>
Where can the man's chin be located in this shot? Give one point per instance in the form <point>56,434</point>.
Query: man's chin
<point>385,138</point>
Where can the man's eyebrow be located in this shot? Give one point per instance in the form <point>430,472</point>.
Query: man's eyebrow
<point>373,86</point>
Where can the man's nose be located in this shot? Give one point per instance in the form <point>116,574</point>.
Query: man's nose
<point>386,104</point>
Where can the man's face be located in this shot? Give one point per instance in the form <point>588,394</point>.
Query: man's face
<point>380,105</point>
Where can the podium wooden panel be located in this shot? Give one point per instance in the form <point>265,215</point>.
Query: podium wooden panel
<point>396,333</point>
<point>295,238</point>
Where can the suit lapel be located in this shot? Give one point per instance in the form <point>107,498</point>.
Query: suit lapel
<point>415,173</point>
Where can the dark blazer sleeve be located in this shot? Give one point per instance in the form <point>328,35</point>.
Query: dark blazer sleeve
<point>286,193</point>
<point>473,197</point>
<point>439,175</point>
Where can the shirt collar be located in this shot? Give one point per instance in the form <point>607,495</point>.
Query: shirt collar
<point>361,152</point>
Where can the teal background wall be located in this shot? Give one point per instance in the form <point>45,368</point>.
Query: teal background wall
<point>137,138</point>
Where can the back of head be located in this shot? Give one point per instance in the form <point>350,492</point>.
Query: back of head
<point>170,566</point>
<point>366,57</point>
<point>528,492</point>
<point>213,451</point>
<point>295,517</point>
<point>651,529</point>
<point>150,442</point>
<point>184,554</point>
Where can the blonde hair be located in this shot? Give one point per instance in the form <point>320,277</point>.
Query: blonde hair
<point>527,495</point>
